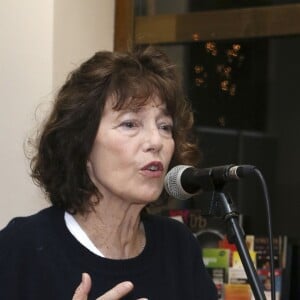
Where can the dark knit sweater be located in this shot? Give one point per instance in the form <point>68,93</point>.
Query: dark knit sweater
<point>40,259</point>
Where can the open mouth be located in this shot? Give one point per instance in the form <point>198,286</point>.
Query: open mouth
<point>153,167</point>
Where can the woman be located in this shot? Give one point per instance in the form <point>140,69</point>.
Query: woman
<point>118,124</point>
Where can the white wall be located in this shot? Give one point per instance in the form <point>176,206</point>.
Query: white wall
<point>80,28</point>
<point>40,42</point>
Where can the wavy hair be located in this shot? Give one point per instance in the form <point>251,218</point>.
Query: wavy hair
<point>65,142</point>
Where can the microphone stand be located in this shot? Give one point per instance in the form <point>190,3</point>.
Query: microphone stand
<point>221,204</point>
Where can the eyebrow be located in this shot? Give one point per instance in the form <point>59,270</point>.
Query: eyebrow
<point>163,110</point>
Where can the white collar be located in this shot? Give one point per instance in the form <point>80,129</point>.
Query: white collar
<point>79,234</point>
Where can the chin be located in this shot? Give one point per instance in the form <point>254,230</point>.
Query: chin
<point>153,198</point>
<point>148,195</point>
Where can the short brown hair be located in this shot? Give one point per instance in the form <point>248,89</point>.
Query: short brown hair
<point>65,143</point>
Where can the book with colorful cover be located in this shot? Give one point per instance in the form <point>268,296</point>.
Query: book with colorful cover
<point>216,261</point>
<point>236,259</point>
<point>236,273</point>
<point>265,278</point>
<point>261,247</point>
<point>237,276</point>
<point>237,292</point>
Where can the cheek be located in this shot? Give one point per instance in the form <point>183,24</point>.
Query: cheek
<point>108,156</point>
<point>96,161</point>
<point>170,149</point>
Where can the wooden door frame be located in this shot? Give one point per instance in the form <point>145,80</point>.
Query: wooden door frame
<point>267,21</point>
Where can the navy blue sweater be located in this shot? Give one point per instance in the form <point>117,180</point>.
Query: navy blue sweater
<point>40,259</point>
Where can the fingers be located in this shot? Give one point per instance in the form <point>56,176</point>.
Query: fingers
<point>117,292</point>
<point>83,289</point>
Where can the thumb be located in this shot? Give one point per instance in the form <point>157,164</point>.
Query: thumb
<point>84,287</point>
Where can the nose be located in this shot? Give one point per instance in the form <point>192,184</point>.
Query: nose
<point>153,140</point>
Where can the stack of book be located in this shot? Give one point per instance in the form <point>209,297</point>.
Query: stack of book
<point>223,262</point>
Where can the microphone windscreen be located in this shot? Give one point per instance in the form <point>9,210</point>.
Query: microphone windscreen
<point>173,184</point>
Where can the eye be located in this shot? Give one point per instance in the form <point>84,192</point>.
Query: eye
<point>129,124</point>
<point>166,127</point>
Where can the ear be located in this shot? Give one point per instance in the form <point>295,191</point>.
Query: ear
<point>89,168</point>
<point>88,165</point>
<point>91,171</point>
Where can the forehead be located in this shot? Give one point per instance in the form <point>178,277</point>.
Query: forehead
<point>134,104</point>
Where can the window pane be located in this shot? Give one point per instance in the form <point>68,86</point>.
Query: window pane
<point>252,118</point>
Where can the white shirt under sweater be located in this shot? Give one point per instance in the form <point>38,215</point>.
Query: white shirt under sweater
<point>80,235</point>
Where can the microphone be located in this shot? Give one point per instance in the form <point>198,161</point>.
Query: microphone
<point>182,182</point>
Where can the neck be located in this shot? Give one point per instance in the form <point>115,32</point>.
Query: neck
<point>115,229</point>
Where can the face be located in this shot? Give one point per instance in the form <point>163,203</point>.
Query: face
<point>132,151</point>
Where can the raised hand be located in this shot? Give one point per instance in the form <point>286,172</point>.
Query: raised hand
<point>116,293</point>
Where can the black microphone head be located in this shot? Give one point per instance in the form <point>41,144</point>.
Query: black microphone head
<point>173,184</point>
